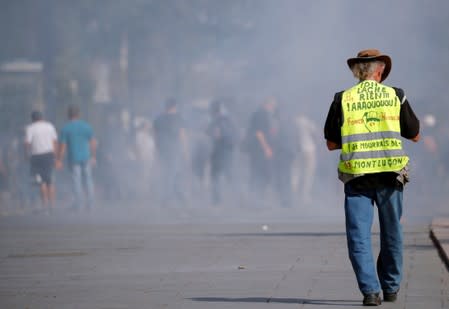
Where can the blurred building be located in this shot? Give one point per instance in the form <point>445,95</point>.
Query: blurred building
<point>21,91</point>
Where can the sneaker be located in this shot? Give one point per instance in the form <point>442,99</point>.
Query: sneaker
<point>372,299</point>
<point>390,297</point>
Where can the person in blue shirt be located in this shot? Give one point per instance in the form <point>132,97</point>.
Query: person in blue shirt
<point>78,143</point>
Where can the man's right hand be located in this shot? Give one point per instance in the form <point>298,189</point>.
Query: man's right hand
<point>332,145</point>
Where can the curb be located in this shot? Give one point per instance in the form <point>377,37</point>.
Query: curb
<point>440,249</point>
<point>436,229</point>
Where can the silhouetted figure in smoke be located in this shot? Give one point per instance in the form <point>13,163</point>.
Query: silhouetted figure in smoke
<point>145,154</point>
<point>113,159</point>
<point>262,129</point>
<point>172,153</point>
<point>223,135</point>
<point>269,153</point>
<point>200,156</point>
<point>77,140</point>
<point>41,146</point>
<point>201,147</point>
<point>306,161</point>
<point>285,144</point>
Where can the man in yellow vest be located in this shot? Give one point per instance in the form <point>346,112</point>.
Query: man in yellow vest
<point>366,122</point>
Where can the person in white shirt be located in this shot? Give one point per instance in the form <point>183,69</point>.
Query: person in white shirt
<point>145,151</point>
<point>305,165</point>
<point>41,142</point>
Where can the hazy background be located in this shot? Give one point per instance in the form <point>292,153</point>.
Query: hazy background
<point>127,57</point>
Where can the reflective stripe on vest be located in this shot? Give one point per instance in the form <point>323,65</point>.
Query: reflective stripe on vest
<point>371,138</point>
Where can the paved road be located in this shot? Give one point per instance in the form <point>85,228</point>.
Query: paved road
<point>76,261</point>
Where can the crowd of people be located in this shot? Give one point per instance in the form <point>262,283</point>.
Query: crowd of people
<point>175,158</point>
<point>183,155</point>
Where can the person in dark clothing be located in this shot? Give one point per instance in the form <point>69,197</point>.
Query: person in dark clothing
<point>284,152</point>
<point>367,122</point>
<point>172,152</point>
<point>262,131</point>
<point>271,151</point>
<point>223,135</point>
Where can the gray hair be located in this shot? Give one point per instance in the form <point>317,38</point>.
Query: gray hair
<point>364,70</point>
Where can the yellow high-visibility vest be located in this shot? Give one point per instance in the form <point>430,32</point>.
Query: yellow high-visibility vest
<point>371,133</point>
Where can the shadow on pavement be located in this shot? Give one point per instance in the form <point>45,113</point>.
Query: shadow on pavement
<point>285,234</point>
<point>300,234</point>
<point>328,302</point>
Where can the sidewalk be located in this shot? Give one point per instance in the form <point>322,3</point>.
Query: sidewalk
<point>46,262</point>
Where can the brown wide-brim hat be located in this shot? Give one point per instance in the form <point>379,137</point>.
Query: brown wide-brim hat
<point>368,55</point>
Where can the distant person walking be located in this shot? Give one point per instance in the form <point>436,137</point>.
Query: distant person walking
<point>172,152</point>
<point>222,132</point>
<point>305,165</point>
<point>285,145</point>
<point>77,140</point>
<point>145,155</point>
<point>271,153</point>
<point>41,146</point>
<point>262,131</point>
<point>367,122</point>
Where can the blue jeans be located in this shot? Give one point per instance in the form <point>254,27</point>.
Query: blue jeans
<point>359,213</point>
<point>82,177</point>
